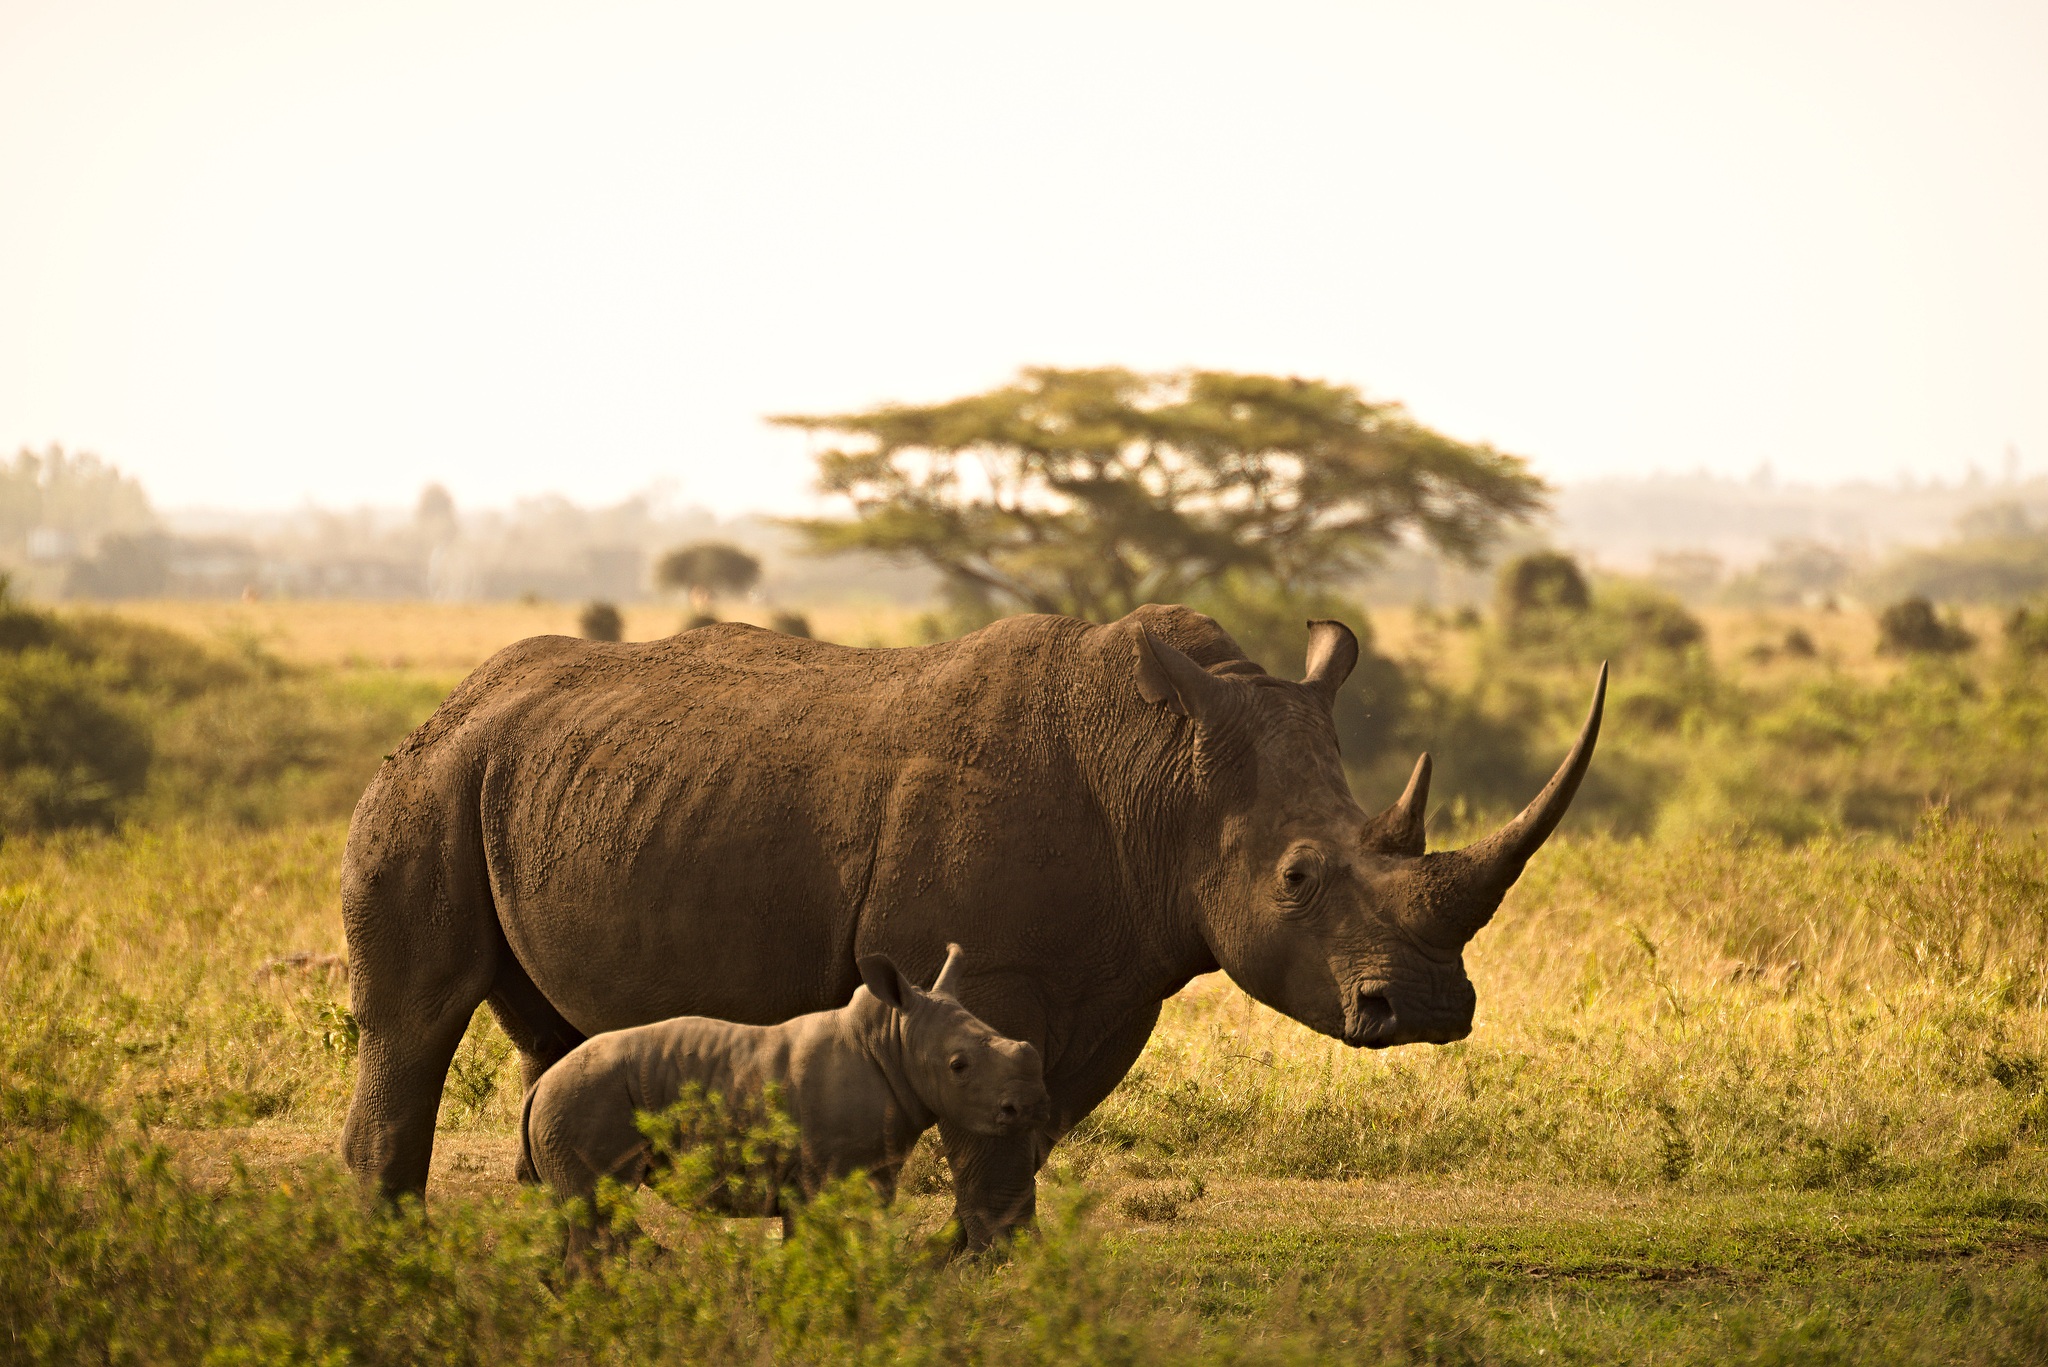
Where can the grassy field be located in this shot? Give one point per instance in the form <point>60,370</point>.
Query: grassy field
<point>438,638</point>
<point>1726,1099</point>
<point>441,637</point>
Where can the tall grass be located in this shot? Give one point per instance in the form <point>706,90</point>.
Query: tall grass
<point>1732,1016</point>
<point>1748,1082</point>
<point>1843,1038</point>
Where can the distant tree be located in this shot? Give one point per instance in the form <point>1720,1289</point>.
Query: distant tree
<point>1910,627</point>
<point>2004,568</point>
<point>1540,585</point>
<point>1091,492</point>
<point>435,516</point>
<point>707,569</point>
<point>1692,575</point>
<point>601,622</point>
<point>127,565</point>
<point>1795,572</point>
<point>698,619</point>
<point>2006,520</point>
<point>77,494</point>
<point>790,624</point>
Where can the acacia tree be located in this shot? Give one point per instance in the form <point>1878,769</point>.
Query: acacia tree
<point>707,569</point>
<point>1090,492</point>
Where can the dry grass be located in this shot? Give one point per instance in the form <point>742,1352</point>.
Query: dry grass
<point>1654,1130</point>
<point>1723,1101</point>
<point>441,637</point>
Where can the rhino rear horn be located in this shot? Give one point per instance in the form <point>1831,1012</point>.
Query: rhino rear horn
<point>1332,655</point>
<point>1171,680</point>
<point>1399,829</point>
<point>1481,873</point>
<point>947,984</point>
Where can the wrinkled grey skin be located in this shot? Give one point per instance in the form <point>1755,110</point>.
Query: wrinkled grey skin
<point>592,836</point>
<point>860,1084</point>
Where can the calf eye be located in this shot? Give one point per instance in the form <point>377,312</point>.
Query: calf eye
<point>958,1063</point>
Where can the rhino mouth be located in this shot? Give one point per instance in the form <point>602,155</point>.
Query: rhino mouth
<point>1370,1021</point>
<point>1373,1019</point>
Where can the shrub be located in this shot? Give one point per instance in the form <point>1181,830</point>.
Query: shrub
<point>790,624</point>
<point>1536,587</point>
<point>1910,627</point>
<point>71,754</point>
<point>2026,632</point>
<point>601,622</point>
<point>1638,617</point>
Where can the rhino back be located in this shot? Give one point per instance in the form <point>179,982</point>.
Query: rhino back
<point>715,824</point>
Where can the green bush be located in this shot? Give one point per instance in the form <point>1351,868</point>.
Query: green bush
<point>1543,581</point>
<point>108,1253</point>
<point>71,752</point>
<point>601,622</point>
<point>1910,627</point>
<point>102,718</point>
<point>2026,633</point>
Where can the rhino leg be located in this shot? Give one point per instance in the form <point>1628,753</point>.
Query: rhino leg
<point>529,1020</point>
<point>423,953</point>
<point>995,1186</point>
<point>388,1139</point>
<point>1078,1091</point>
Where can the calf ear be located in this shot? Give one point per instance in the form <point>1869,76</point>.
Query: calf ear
<point>879,972</point>
<point>1169,679</point>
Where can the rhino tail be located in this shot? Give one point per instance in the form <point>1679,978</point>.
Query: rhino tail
<point>525,1170</point>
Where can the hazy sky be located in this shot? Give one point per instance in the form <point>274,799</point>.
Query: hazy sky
<point>260,253</point>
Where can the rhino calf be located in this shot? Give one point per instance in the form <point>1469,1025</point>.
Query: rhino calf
<point>860,1084</point>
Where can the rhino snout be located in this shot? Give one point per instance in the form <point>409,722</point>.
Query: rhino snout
<point>1376,1016</point>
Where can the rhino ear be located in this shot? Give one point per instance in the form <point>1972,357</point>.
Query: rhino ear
<point>883,979</point>
<point>1171,680</point>
<point>1332,655</point>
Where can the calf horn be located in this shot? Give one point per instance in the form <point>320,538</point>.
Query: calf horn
<point>947,984</point>
<point>1479,875</point>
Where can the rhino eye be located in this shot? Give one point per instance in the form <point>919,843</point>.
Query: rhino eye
<point>958,1063</point>
<point>1300,871</point>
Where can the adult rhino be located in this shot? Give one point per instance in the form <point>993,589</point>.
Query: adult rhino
<point>590,836</point>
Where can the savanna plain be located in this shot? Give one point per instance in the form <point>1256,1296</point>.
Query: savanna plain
<point>1759,1073</point>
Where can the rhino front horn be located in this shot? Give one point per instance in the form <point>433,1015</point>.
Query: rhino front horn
<point>1482,872</point>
